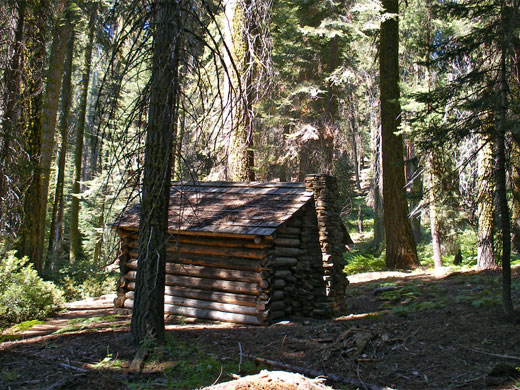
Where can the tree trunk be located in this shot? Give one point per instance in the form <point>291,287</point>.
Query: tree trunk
<point>400,244</point>
<point>379,231</point>
<point>516,197</point>
<point>353,130</point>
<point>360,219</point>
<point>50,108</point>
<point>414,185</point>
<point>241,160</point>
<point>433,163</point>
<point>12,101</point>
<point>29,238</point>
<point>436,242</point>
<point>148,311</point>
<point>500,163</point>
<point>56,229</point>
<point>486,189</point>
<point>75,244</point>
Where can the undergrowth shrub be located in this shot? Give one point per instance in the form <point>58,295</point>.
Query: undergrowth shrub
<point>23,294</point>
<point>360,262</point>
<point>84,280</point>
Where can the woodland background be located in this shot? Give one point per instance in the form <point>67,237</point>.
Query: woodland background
<point>261,90</point>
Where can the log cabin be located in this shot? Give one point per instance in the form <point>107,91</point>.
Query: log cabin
<point>249,253</point>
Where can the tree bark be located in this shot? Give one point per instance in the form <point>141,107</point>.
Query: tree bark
<point>379,231</point>
<point>244,36</point>
<point>29,238</point>
<point>56,228</point>
<point>433,163</point>
<point>486,208</point>
<point>12,101</point>
<point>75,244</point>
<point>500,162</point>
<point>516,198</point>
<point>400,244</point>
<point>148,313</point>
<point>353,130</point>
<point>434,224</point>
<point>50,109</point>
<point>414,184</point>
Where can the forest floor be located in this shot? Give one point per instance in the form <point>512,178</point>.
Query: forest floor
<point>404,331</point>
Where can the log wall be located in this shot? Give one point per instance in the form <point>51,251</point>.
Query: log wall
<point>215,278</point>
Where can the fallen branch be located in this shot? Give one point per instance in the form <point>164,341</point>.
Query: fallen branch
<point>312,373</point>
<point>74,368</point>
<point>492,354</point>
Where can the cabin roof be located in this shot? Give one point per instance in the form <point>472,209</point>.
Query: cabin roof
<point>237,208</point>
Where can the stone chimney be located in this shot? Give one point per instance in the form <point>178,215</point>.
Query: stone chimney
<point>331,235</point>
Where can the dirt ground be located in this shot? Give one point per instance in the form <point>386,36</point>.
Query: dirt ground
<point>399,332</point>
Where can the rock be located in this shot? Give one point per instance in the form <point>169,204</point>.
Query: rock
<point>500,373</point>
<point>272,380</point>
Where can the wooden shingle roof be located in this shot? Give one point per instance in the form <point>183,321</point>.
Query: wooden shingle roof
<point>250,209</point>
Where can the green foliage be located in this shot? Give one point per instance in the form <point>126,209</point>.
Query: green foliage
<point>13,332</point>
<point>479,296</point>
<point>188,366</point>
<point>109,362</point>
<point>23,294</point>
<point>78,324</point>
<point>419,306</point>
<point>359,262</point>
<point>412,297</point>
<point>83,280</point>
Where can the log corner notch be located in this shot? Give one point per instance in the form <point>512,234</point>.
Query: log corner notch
<point>333,236</point>
<point>249,253</point>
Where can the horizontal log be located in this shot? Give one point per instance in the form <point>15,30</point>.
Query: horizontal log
<point>275,315</point>
<point>186,292</point>
<point>208,305</point>
<point>287,252</point>
<point>279,284</point>
<point>287,242</point>
<point>213,285</point>
<point>278,306</point>
<point>135,228</point>
<point>288,231</point>
<point>206,272</point>
<point>206,284</point>
<point>282,274</point>
<point>285,261</point>
<point>206,314</point>
<point>214,315</point>
<point>212,261</point>
<point>258,242</point>
<point>294,221</point>
<point>278,295</point>
<point>250,253</point>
